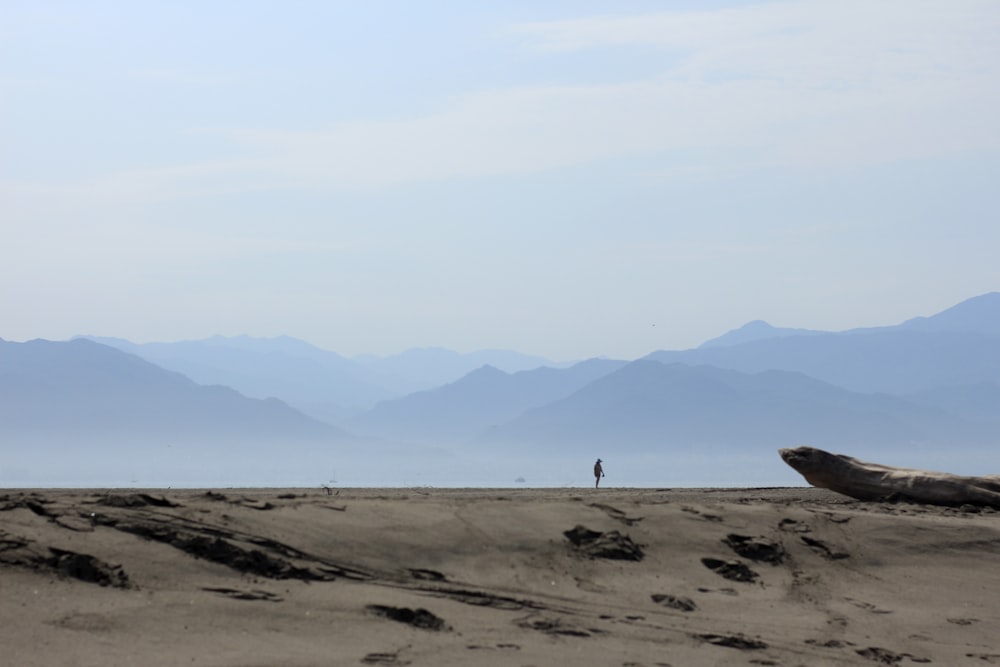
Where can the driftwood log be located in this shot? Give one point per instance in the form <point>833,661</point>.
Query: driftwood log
<point>873,481</point>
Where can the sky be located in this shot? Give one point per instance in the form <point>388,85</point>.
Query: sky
<point>567,179</point>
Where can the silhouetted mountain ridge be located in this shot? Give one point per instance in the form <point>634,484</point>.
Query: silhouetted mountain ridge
<point>892,361</point>
<point>980,314</point>
<point>83,388</point>
<point>958,346</point>
<point>755,330</point>
<point>648,405</point>
<point>319,382</point>
<point>418,369</point>
<point>977,315</point>
<point>283,367</point>
<point>927,385</point>
<point>486,397</point>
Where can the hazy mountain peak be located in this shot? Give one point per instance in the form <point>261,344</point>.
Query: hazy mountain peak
<point>111,341</point>
<point>82,384</point>
<point>980,314</point>
<point>488,370</point>
<point>284,344</point>
<point>754,330</point>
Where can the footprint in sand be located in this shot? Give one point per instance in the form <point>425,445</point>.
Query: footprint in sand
<point>496,647</point>
<point>418,618</point>
<point>481,599</point>
<point>733,570</point>
<point>962,621</point>
<point>823,550</point>
<point>885,656</point>
<point>553,627</point>
<point>867,606</point>
<point>829,643</point>
<point>704,515</point>
<point>674,601</point>
<point>758,549</point>
<point>383,659</point>
<point>617,514</point>
<point>612,544</point>
<point>733,641</point>
<point>245,595</point>
<point>794,526</point>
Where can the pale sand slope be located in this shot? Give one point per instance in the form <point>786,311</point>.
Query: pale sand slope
<point>487,577</point>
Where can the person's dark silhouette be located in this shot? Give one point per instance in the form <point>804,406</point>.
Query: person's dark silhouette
<point>598,473</point>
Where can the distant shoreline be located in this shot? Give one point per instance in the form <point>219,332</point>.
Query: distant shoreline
<point>611,493</point>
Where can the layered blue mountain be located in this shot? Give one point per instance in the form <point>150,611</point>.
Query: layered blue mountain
<point>321,383</point>
<point>487,397</point>
<point>958,347</point>
<point>86,390</point>
<point>318,382</point>
<point>82,413</point>
<point>650,406</point>
<point>755,330</point>
<point>423,368</point>
<point>929,387</point>
<point>980,314</point>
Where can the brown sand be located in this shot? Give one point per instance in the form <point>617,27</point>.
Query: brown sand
<point>266,577</point>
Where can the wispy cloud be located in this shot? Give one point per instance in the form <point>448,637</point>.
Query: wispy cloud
<point>799,84</point>
<point>813,41</point>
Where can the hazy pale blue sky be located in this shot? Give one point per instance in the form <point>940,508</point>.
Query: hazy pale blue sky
<point>552,177</point>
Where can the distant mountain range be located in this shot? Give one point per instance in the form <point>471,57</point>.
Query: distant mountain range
<point>651,406</point>
<point>79,412</point>
<point>462,410</point>
<point>956,348</point>
<point>318,382</point>
<point>929,382</point>
<point>87,390</point>
<point>979,314</point>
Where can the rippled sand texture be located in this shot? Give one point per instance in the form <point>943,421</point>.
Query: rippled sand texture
<point>630,577</point>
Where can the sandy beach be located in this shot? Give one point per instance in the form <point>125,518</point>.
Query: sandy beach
<point>427,576</point>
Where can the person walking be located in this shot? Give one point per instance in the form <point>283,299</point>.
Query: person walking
<point>598,473</point>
